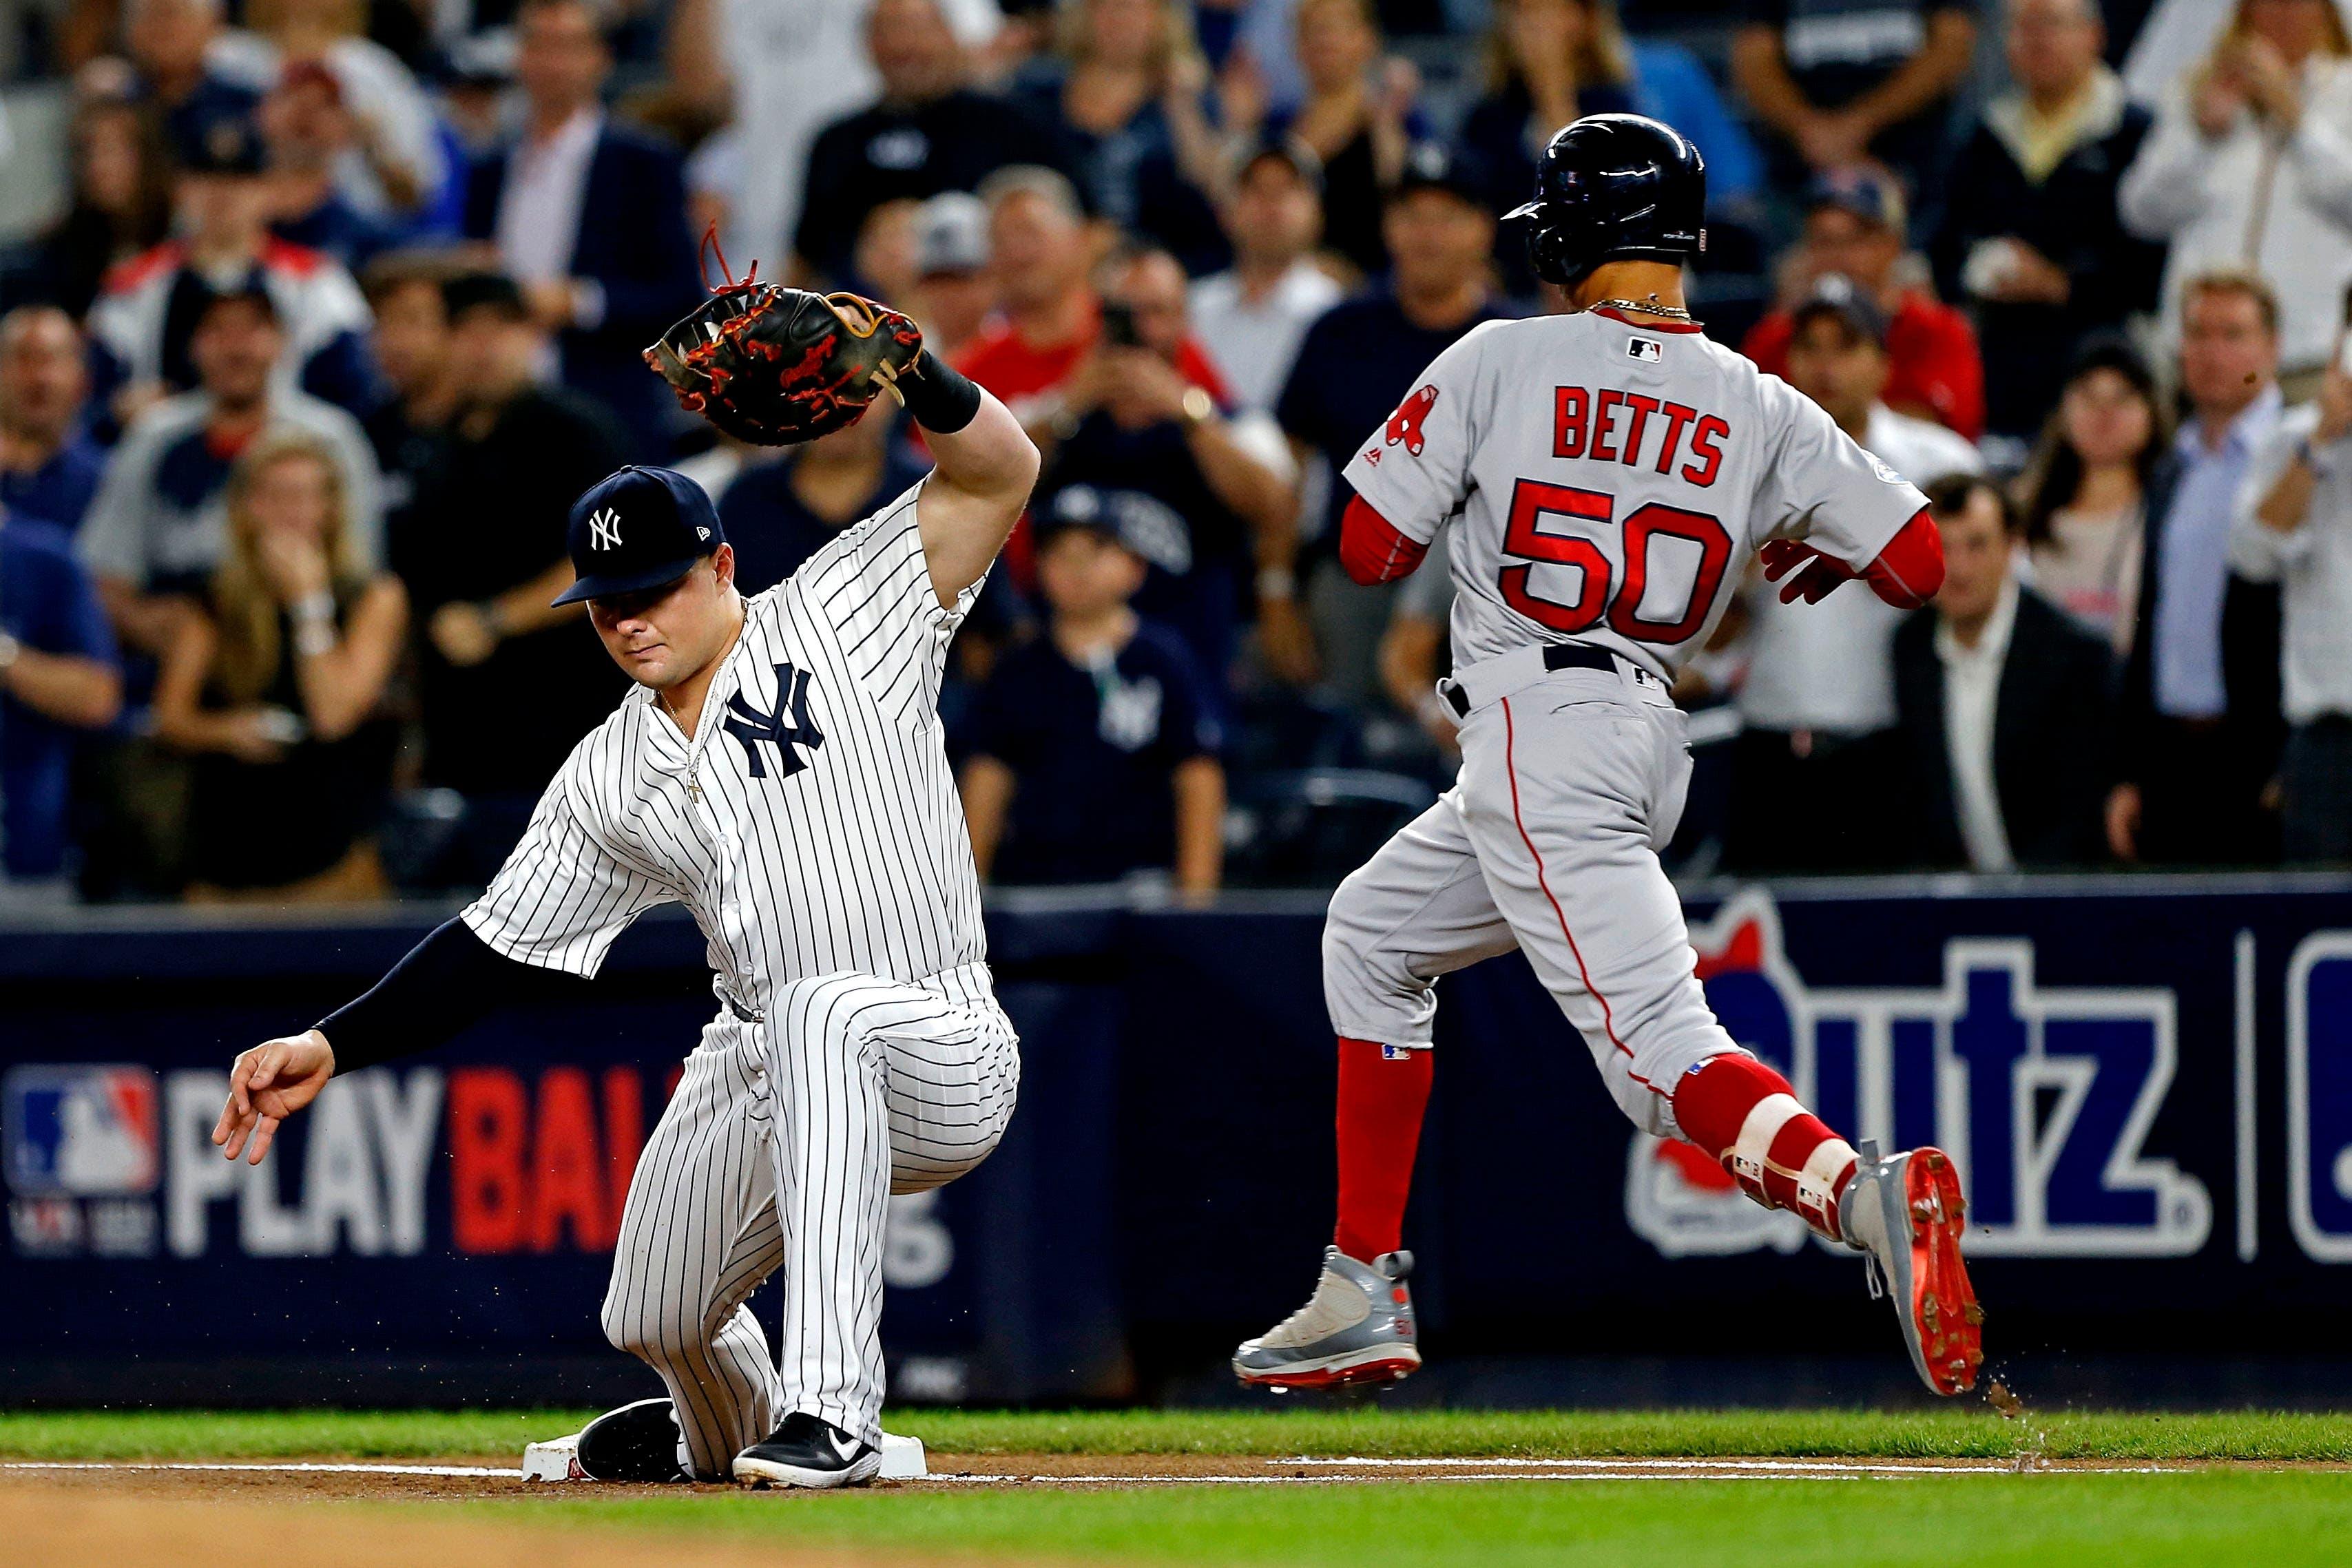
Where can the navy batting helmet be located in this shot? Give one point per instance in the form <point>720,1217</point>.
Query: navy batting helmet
<point>1614,187</point>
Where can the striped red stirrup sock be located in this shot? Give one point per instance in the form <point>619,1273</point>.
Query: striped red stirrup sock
<point>1781,1154</point>
<point>1383,1090</point>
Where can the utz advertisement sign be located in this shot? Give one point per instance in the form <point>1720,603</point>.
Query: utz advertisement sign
<point>2042,1095</point>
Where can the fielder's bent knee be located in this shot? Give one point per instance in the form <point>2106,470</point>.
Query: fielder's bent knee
<point>628,1331</point>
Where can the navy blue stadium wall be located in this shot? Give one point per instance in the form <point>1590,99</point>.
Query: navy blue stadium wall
<point>2147,1082</point>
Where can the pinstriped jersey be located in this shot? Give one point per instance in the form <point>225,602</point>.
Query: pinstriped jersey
<point>812,825</point>
<point>1604,481</point>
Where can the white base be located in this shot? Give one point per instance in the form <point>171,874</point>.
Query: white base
<point>557,1459</point>
<point>902,1459</point>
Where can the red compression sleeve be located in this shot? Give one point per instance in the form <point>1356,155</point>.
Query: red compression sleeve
<point>1370,547</point>
<point>1382,1099</point>
<point>1911,568</point>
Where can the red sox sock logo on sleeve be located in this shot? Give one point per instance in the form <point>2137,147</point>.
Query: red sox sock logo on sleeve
<point>1404,424</point>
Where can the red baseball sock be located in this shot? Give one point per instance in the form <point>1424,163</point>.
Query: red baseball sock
<point>1782,1156</point>
<point>1383,1090</point>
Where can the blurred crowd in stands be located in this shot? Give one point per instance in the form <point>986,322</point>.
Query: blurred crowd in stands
<point>340,305</point>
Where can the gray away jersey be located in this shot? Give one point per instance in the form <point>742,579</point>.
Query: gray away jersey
<point>812,825</point>
<point>1606,482</point>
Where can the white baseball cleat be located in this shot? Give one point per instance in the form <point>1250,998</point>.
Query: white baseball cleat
<point>1905,1214</point>
<point>1357,1327</point>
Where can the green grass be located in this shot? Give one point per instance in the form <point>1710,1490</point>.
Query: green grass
<point>2278,1520</point>
<point>1962,1432</point>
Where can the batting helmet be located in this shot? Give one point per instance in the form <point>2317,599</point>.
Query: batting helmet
<point>1614,187</point>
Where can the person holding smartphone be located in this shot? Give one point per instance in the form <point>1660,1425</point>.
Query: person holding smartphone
<point>1145,441</point>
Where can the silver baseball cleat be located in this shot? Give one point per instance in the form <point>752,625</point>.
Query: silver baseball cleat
<point>1905,1212</point>
<point>1357,1328</point>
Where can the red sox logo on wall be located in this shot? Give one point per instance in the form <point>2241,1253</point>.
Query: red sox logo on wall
<point>1404,424</point>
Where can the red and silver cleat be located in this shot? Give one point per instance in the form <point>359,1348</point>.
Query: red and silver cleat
<point>1906,1213</point>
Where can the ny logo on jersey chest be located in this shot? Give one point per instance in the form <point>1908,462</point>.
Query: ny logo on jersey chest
<point>787,727</point>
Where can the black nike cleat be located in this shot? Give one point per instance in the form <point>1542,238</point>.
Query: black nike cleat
<point>638,1442</point>
<point>808,1452</point>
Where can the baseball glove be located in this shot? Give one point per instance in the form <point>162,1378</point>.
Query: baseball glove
<point>774,366</point>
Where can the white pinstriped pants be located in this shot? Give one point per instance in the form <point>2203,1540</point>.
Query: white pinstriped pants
<point>781,1147</point>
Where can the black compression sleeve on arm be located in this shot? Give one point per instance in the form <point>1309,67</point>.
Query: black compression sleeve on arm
<point>448,981</point>
<point>938,395</point>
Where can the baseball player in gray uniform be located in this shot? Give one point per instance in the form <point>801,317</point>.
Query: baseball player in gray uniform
<point>779,771</point>
<point>1602,477</point>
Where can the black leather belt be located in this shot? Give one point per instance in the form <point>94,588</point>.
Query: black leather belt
<point>1557,656</point>
<point>743,1013</point>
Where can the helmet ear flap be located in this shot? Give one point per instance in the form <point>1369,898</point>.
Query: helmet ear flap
<point>1552,252</point>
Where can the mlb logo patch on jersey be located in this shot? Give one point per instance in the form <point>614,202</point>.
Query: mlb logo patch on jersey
<point>75,1131</point>
<point>1644,349</point>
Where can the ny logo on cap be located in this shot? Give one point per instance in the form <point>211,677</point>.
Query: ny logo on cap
<point>605,530</point>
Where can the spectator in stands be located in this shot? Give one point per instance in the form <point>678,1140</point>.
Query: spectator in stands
<point>2005,706</point>
<point>1354,366</point>
<point>156,530</point>
<point>1252,318</point>
<point>1146,436</point>
<point>2197,729</point>
<point>507,683</point>
<point>1094,747</point>
<point>2294,527</point>
<point>1843,82</point>
<point>2029,235</point>
<point>589,217</point>
<point>1819,743</point>
<point>391,168</point>
<point>2084,495</point>
<point>2251,165</point>
<point>955,287</point>
<point>144,317</point>
<point>276,688</point>
<point>171,42</point>
<point>1855,228</point>
<point>1359,118</point>
<point>1052,317</point>
<point>778,73</point>
<point>50,468</point>
<point>305,129</point>
<point>777,514</point>
<point>410,428</point>
<point>1547,62</point>
<point>122,205</point>
<point>1125,87</point>
<point>58,680</point>
<point>930,131</point>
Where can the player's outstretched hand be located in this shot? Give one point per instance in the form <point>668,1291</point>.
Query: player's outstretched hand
<point>268,1084</point>
<point>1811,576</point>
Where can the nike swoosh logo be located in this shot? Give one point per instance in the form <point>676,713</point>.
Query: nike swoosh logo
<point>845,1450</point>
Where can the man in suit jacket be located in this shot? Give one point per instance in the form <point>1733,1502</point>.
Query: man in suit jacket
<point>2198,727</point>
<point>2003,703</point>
<point>590,218</point>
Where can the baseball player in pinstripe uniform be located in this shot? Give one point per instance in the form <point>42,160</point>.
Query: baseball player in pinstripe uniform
<point>779,771</point>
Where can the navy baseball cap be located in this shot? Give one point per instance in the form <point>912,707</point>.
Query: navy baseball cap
<point>638,528</point>
<point>1834,294</point>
